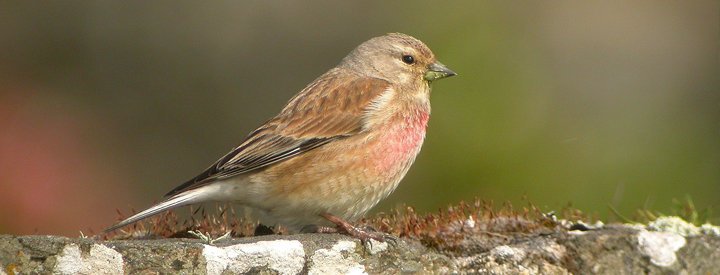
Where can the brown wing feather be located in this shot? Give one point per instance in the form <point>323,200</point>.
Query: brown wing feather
<point>329,108</point>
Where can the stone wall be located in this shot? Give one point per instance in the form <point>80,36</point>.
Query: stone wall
<point>660,248</point>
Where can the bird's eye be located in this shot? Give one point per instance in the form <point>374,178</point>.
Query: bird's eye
<point>408,59</point>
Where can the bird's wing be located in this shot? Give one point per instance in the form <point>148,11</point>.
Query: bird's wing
<point>330,108</point>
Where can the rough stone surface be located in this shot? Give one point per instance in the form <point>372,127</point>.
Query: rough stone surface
<point>339,259</point>
<point>660,247</point>
<point>101,258</point>
<point>612,249</point>
<point>281,256</point>
<point>680,227</point>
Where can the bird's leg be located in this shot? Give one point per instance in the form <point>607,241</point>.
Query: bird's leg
<point>345,227</point>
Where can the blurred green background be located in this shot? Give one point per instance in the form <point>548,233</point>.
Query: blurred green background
<point>107,105</point>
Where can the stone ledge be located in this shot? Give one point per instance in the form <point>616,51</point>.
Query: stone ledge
<point>616,249</point>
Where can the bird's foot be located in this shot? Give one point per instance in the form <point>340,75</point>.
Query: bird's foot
<point>365,233</point>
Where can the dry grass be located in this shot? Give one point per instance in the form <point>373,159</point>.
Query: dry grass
<point>479,222</point>
<point>222,218</point>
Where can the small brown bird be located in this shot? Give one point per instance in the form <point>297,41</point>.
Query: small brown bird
<point>336,149</point>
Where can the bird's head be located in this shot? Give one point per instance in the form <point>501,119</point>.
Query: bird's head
<point>398,58</point>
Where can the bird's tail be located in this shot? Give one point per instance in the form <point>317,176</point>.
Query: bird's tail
<point>178,200</point>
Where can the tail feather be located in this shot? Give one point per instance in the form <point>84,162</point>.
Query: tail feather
<point>181,199</point>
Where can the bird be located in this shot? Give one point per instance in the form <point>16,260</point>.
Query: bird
<point>336,149</point>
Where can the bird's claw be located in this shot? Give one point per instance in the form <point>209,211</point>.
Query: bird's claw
<point>364,233</point>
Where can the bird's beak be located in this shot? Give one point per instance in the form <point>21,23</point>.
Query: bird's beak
<point>437,71</point>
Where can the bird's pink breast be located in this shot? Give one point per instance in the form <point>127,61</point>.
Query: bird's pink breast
<point>400,142</point>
